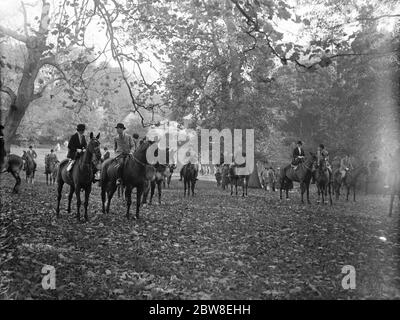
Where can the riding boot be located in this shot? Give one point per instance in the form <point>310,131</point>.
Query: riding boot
<point>119,172</point>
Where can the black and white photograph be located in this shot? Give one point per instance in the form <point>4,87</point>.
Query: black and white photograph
<point>212,152</point>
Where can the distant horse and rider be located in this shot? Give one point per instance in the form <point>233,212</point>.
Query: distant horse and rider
<point>78,171</point>
<point>30,164</point>
<point>301,170</point>
<point>189,173</point>
<point>10,163</point>
<point>51,165</point>
<point>238,174</point>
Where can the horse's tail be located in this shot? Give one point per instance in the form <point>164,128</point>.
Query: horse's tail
<point>104,172</point>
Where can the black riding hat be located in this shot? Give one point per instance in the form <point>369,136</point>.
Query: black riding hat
<point>80,127</point>
<point>120,125</point>
<point>300,142</point>
<point>135,136</point>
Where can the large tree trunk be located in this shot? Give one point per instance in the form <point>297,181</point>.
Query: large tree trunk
<point>24,96</point>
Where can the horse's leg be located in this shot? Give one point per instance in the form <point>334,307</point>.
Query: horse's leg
<point>347,192</point>
<point>110,192</point>
<point>330,192</point>
<point>193,182</point>
<point>128,197</point>
<point>308,192</point>
<point>280,192</point>
<point>152,188</point>
<point>243,186</point>
<point>47,179</point>
<point>302,189</point>
<point>231,188</point>
<point>59,194</point>
<point>184,187</point>
<point>391,204</point>
<point>354,193</point>
<point>103,195</point>
<point>139,191</point>
<point>78,201</point>
<point>159,192</point>
<point>86,203</point>
<point>71,194</point>
<point>319,193</point>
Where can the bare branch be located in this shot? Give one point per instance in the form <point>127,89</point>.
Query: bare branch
<point>25,18</point>
<point>13,34</point>
<point>39,94</point>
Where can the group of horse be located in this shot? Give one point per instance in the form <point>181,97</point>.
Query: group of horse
<point>328,182</point>
<point>139,174</point>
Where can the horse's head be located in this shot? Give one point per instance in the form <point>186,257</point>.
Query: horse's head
<point>94,146</point>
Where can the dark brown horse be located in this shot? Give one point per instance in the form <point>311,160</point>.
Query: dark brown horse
<point>168,174</point>
<point>236,178</point>
<point>323,182</point>
<point>302,174</point>
<point>133,176</point>
<point>337,181</point>
<point>225,180</point>
<point>157,177</point>
<point>50,169</point>
<point>81,176</point>
<point>189,173</point>
<point>351,178</point>
<point>13,164</point>
<point>30,167</point>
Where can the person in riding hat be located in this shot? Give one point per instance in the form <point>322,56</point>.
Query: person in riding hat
<point>298,154</point>
<point>123,144</point>
<point>345,165</point>
<point>76,145</point>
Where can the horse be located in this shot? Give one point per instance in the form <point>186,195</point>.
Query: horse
<point>156,176</point>
<point>50,169</point>
<point>189,173</point>
<point>218,177</point>
<point>134,176</point>
<point>225,180</point>
<point>54,173</point>
<point>13,164</point>
<point>168,174</point>
<point>30,167</point>
<point>323,182</point>
<point>302,174</point>
<point>235,178</point>
<point>81,176</point>
<point>337,181</point>
<point>351,178</point>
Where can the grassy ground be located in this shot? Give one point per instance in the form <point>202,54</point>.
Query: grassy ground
<point>209,246</point>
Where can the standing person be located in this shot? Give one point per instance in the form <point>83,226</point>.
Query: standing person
<point>76,145</point>
<point>123,144</point>
<point>374,166</point>
<point>298,154</point>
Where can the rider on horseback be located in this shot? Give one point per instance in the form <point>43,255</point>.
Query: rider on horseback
<point>76,145</point>
<point>123,144</point>
<point>33,155</point>
<point>323,155</point>
<point>345,165</point>
<point>298,155</point>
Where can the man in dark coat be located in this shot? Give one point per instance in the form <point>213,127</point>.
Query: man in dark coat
<point>2,148</point>
<point>298,154</point>
<point>76,144</point>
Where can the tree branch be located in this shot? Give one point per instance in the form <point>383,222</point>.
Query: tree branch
<point>13,34</point>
